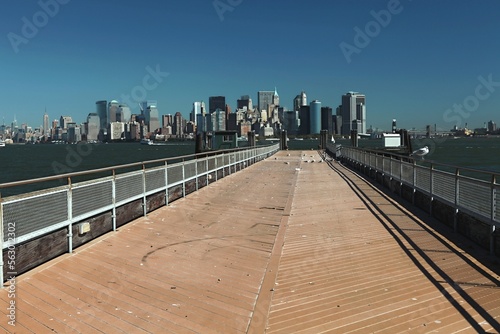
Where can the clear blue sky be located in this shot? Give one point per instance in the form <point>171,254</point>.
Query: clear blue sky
<point>414,68</point>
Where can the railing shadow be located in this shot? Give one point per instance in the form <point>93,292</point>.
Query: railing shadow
<point>402,237</point>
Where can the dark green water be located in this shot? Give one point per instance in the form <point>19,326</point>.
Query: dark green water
<point>21,162</point>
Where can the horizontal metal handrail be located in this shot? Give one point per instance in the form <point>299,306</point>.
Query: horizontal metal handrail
<point>472,195</point>
<point>44,211</point>
<point>124,166</point>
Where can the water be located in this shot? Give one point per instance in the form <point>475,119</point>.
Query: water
<point>21,162</point>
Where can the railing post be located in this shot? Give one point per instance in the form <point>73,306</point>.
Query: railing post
<point>493,207</point>
<point>1,240</point>
<point>113,194</point>
<point>144,199</point>
<point>70,216</point>
<point>457,200</point>
<point>207,171</point>
<point>431,186</point>
<point>183,178</point>
<point>414,177</point>
<point>400,178</point>
<point>196,171</point>
<point>166,183</point>
<point>216,166</point>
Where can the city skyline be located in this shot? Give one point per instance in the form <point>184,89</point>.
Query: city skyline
<point>416,62</point>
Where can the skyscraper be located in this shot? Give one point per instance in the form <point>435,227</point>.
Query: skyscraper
<point>196,111</point>
<point>265,99</point>
<point>315,116</point>
<point>93,127</point>
<point>113,111</point>
<point>300,101</point>
<point>216,102</point>
<point>124,113</point>
<point>152,118</point>
<point>102,112</point>
<point>353,113</point>
<point>244,101</point>
<point>327,119</point>
<point>46,124</point>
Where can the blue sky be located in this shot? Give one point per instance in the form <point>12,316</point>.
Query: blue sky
<point>417,63</point>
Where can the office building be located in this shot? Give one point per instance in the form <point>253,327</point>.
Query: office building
<point>315,117</point>
<point>216,102</point>
<point>93,127</point>
<point>244,102</point>
<point>102,112</point>
<point>167,120</point>
<point>124,113</point>
<point>64,121</point>
<point>327,119</point>
<point>113,107</point>
<point>305,121</point>
<point>492,127</point>
<point>46,124</point>
<point>353,113</point>
<point>196,111</point>
<point>300,101</point>
<point>152,118</point>
<point>178,128</point>
<point>265,99</point>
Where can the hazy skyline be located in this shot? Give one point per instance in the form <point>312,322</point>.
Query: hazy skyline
<point>421,62</point>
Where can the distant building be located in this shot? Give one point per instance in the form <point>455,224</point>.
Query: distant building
<point>93,123</point>
<point>353,113</point>
<point>178,128</point>
<point>116,131</point>
<point>300,101</point>
<point>167,120</point>
<point>216,102</point>
<point>327,119</point>
<point>290,122</point>
<point>305,122</point>
<point>152,118</point>
<point>46,124</point>
<point>102,112</point>
<point>196,111</point>
<point>492,127</point>
<point>113,111</point>
<point>124,113</point>
<point>74,134</point>
<point>64,121</point>
<point>218,120</point>
<point>265,99</point>
<point>244,101</point>
<point>315,117</point>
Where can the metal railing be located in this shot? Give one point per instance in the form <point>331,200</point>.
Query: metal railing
<point>474,195</point>
<point>32,215</point>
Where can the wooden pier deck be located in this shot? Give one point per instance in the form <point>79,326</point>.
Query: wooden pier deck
<point>289,245</point>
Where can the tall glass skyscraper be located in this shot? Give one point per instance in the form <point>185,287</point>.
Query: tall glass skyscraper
<point>216,102</point>
<point>315,116</point>
<point>102,112</point>
<point>353,113</point>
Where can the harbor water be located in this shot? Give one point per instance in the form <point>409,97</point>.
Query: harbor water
<point>22,162</point>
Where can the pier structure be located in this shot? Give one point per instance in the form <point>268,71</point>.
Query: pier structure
<point>296,243</point>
